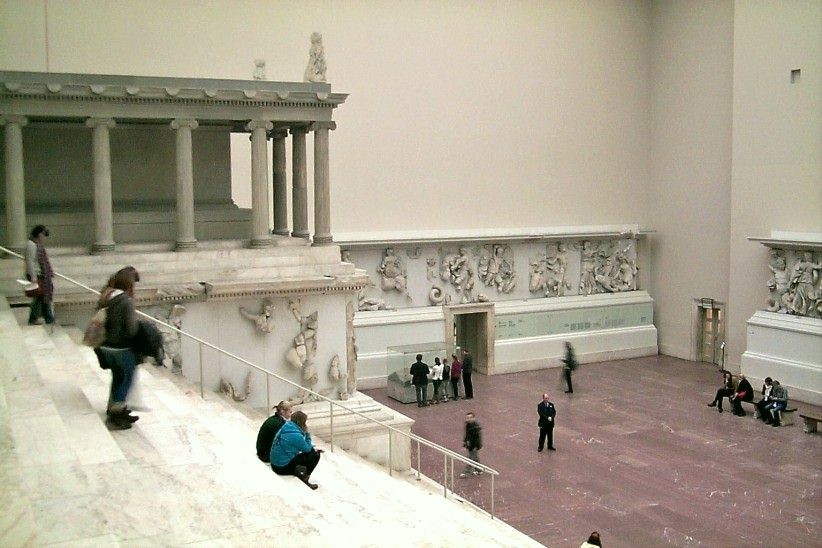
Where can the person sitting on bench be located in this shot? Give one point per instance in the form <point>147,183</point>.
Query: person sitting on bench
<point>779,402</point>
<point>744,392</point>
<point>761,405</point>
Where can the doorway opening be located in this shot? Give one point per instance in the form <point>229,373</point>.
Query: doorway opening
<point>709,336</point>
<point>471,326</point>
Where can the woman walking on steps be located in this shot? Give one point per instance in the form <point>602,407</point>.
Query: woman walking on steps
<point>116,353</point>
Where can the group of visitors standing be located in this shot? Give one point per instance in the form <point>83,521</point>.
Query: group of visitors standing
<point>774,398</point>
<point>441,374</point>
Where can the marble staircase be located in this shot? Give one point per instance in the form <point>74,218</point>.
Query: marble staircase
<point>186,473</point>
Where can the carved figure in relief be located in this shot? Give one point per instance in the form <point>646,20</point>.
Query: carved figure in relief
<point>496,268</point>
<point>431,269</point>
<point>227,387</point>
<point>172,340</point>
<point>367,304</point>
<point>587,279</point>
<point>536,282</point>
<point>779,284</point>
<point>345,255</point>
<point>803,279</point>
<point>315,70</point>
<point>264,321</point>
<point>392,272</point>
<point>460,272</point>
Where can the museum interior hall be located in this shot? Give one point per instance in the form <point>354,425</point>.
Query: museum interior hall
<point>622,194</point>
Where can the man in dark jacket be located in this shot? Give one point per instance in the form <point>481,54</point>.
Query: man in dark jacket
<point>419,378</point>
<point>473,442</point>
<point>467,369</point>
<point>744,392</point>
<point>547,413</point>
<point>269,429</point>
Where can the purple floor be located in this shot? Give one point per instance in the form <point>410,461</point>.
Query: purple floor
<point>640,458</point>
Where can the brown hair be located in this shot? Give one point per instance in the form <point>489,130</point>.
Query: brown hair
<point>283,406</point>
<point>124,280</point>
<point>299,418</point>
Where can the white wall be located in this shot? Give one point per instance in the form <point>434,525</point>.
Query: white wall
<point>777,142</point>
<point>540,109</point>
<point>692,83</point>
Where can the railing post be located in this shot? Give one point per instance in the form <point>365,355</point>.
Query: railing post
<point>202,393</point>
<point>445,475</point>
<point>331,422</point>
<point>492,496</point>
<point>267,394</point>
<point>418,461</point>
<point>390,453</point>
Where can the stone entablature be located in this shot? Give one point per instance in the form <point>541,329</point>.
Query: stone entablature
<point>148,97</point>
<point>795,263</point>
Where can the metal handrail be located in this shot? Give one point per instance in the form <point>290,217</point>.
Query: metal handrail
<point>413,437</point>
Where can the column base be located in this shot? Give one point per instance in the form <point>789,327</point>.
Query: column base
<point>97,247</point>
<point>260,242</point>
<point>298,234</point>
<point>183,245</point>
<point>323,240</point>
<point>283,232</point>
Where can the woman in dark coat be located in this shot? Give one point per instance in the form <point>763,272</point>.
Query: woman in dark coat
<point>726,391</point>
<point>116,353</point>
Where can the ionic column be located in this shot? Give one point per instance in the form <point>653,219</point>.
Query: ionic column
<point>280,182</point>
<point>260,237</point>
<point>15,182</point>
<point>299,185</point>
<point>101,163</point>
<point>185,184</point>
<point>322,184</point>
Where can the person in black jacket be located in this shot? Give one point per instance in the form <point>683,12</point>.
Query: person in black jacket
<point>467,369</point>
<point>419,378</point>
<point>727,391</point>
<point>269,429</point>
<point>547,412</point>
<point>473,442</point>
<point>116,353</point>
<point>570,361</point>
<point>744,392</point>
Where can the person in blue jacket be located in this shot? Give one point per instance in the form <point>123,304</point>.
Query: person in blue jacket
<point>292,453</point>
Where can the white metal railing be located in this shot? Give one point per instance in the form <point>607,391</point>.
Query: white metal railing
<point>449,456</point>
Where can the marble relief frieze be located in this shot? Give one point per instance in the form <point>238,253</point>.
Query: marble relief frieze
<point>795,284</point>
<point>472,272</point>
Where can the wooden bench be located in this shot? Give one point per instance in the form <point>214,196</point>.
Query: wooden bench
<point>785,416</point>
<point>810,422</point>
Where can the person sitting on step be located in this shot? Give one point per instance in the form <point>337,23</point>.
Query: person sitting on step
<point>293,453</point>
<point>269,429</point>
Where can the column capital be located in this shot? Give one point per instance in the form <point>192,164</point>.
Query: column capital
<point>279,133</point>
<point>322,125</point>
<point>177,123</point>
<point>18,119</point>
<point>97,122</point>
<point>294,130</point>
<point>259,124</point>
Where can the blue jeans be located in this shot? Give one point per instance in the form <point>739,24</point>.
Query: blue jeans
<point>122,363</point>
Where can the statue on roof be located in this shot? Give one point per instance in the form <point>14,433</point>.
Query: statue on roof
<point>315,70</point>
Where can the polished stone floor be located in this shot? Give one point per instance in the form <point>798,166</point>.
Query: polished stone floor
<point>640,458</point>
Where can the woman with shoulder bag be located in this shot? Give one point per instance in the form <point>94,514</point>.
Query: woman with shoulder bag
<point>116,351</point>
